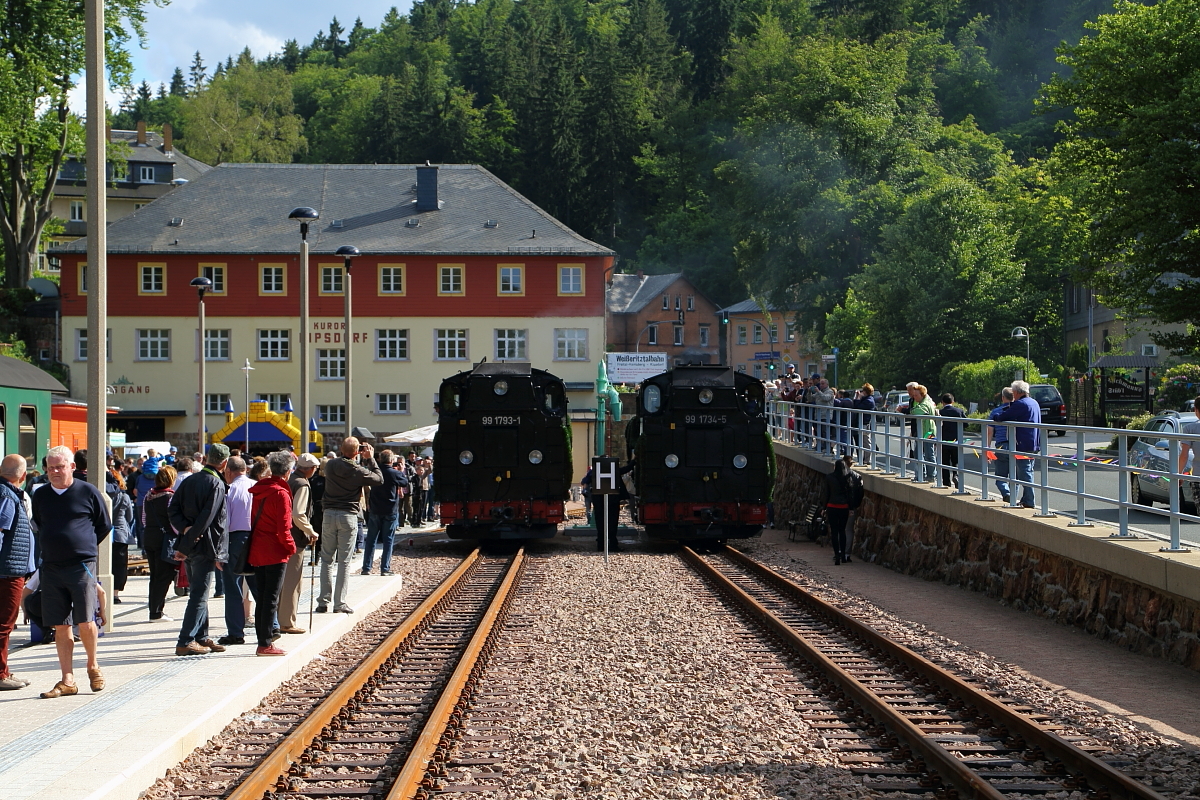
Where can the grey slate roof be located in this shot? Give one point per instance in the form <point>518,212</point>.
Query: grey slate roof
<point>152,153</point>
<point>19,374</point>
<point>243,208</point>
<point>629,294</point>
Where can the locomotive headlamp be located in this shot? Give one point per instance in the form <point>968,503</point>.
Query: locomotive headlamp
<point>500,388</point>
<point>535,456</point>
<point>672,461</point>
<point>706,396</point>
<point>740,461</point>
<point>466,457</point>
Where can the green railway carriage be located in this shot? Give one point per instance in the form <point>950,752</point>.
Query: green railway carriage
<point>25,394</point>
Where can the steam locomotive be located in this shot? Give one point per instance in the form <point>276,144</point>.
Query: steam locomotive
<point>503,452</point>
<point>704,462</point>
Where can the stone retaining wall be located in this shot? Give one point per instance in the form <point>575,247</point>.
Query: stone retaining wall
<point>897,528</point>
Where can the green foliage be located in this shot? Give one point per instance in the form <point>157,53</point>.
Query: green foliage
<point>1129,156</point>
<point>1179,385</point>
<point>980,382</point>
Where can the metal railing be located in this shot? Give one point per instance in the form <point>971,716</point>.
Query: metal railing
<point>882,440</point>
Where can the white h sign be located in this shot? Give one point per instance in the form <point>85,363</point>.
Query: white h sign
<point>604,476</point>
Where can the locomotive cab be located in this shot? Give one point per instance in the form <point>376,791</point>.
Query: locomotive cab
<point>503,452</point>
<point>704,463</point>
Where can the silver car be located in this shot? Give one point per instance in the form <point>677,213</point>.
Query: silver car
<point>1150,454</point>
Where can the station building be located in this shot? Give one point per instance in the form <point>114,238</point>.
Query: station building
<point>662,313</point>
<point>762,339</point>
<point>456,267</point>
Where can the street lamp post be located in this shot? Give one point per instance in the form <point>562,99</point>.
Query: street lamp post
<point>202,285</point>
<point>305,215</point>
<point>1023,333</point>
<point>246,370</point>
<point>348,252</point>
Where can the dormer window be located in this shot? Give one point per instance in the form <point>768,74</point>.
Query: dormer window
<point>145,174</point>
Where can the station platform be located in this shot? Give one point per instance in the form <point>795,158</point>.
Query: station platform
<point>156,707</point>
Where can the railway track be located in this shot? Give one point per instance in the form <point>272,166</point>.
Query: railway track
<point>386,729</point>
<point>900,721</point>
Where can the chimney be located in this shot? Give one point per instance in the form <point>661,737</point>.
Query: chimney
<point>168,142</point>
<point>141,133</point>
<point>427,188</point>
<point>641,275</point>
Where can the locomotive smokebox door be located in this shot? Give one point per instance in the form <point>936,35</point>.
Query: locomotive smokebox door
<point>604,476</point>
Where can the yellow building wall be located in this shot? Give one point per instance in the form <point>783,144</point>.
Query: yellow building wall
<point>172,385</point>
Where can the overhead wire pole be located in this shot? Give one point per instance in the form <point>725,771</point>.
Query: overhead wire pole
<point>97,278</point>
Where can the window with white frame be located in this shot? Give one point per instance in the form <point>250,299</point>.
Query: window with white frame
<point>512,280</point>
<point>391,403</point>
<point>758,371</point>
<point>704,333</point>
<point>391,280</point>
<point>331,415</point>
<point>758,334</point>
<point>154,344</point>
<point>154,278</point>
<point>274,345</point>
<point>81,344</point>
<point>272,280</point>
<point>678,335</point>
<point>790,331</point>
<point>216,274</point>
<point>570,280</point>
<point>652,334</point>
<point>691,302</point>
<point>450,344</point>
<point>146,174</point>
<point>331,280</point>
<point>774,332</point>
<point>666,302</point>
<point>678,303</point>
<point>450,280</point>
<point>216,344</point>
<point>570,344</point>
<point>76,211</point>
<point>741,336</point>
<point>331,365</point>
<point>215,403</point>
<point>391,344</point>
<point>276,401</point>
<point>510,344</point>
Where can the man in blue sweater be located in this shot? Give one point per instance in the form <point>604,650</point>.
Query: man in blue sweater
<point>72,519</point>
<point>16,557</point>
<point>1024,409</point>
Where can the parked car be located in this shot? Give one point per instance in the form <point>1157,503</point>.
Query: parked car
<point>1150,454</point>
<point>896,400</point>
<point>1054,410</point>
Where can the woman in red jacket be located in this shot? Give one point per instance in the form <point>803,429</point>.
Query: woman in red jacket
<point>271,543</point>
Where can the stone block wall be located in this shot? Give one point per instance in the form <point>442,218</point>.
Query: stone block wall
<point>918,541</point>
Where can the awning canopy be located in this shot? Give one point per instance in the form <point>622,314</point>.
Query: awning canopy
<point>422,435</point>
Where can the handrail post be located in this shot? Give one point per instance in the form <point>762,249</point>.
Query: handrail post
<point>887,445</point>
<point>937,457</point>
<point>1123,479</point>
<point>1044,448</point>
<point>903,453</point>
<point>1012,464</point>
<point>984,449</point>
<point>1080,484</point>
<point>962,458</point>
<point>1176,483</point>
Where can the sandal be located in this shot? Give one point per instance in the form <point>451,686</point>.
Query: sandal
<point>96,678</point>
<point>61,689</point>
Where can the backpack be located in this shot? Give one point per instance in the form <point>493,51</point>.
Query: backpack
<point>856,490</point>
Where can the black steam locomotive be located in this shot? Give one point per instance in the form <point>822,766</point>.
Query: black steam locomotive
<point>503,452</point>
<point>704,464</point>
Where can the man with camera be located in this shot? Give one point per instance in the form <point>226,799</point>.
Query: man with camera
<point>345,479</point>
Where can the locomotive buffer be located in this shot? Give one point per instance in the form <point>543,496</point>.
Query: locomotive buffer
<point>604,483</point>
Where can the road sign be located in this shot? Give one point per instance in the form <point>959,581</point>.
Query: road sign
<point>635,367</point>
<point>767,355</point>
<point>829,358</point>
<point>604,476</point>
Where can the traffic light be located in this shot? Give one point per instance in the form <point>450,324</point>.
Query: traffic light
<point>724,317</point>
<point>771,367</point>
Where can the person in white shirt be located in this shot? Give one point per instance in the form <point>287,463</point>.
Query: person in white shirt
<point>237,596</point>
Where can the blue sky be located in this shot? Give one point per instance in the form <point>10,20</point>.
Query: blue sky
<point>219,28</point>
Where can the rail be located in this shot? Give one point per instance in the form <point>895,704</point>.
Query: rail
<point>882,440</point>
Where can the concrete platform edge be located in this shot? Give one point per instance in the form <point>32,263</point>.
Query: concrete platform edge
<point>131,782</point>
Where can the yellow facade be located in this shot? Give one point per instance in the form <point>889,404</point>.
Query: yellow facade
<point>170,385</point>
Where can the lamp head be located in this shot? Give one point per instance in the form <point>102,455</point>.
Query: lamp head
<point>305,215</point>
<point>347,252</point>
<point>202,285</point>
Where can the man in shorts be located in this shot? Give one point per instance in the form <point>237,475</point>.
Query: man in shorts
<point>72,518</point>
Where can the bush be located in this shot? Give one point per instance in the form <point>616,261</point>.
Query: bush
<point>980,382</point>
<point>1134,423</point>
<point>1180,384</point>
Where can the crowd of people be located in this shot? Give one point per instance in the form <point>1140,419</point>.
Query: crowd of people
<point>219,524</point>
